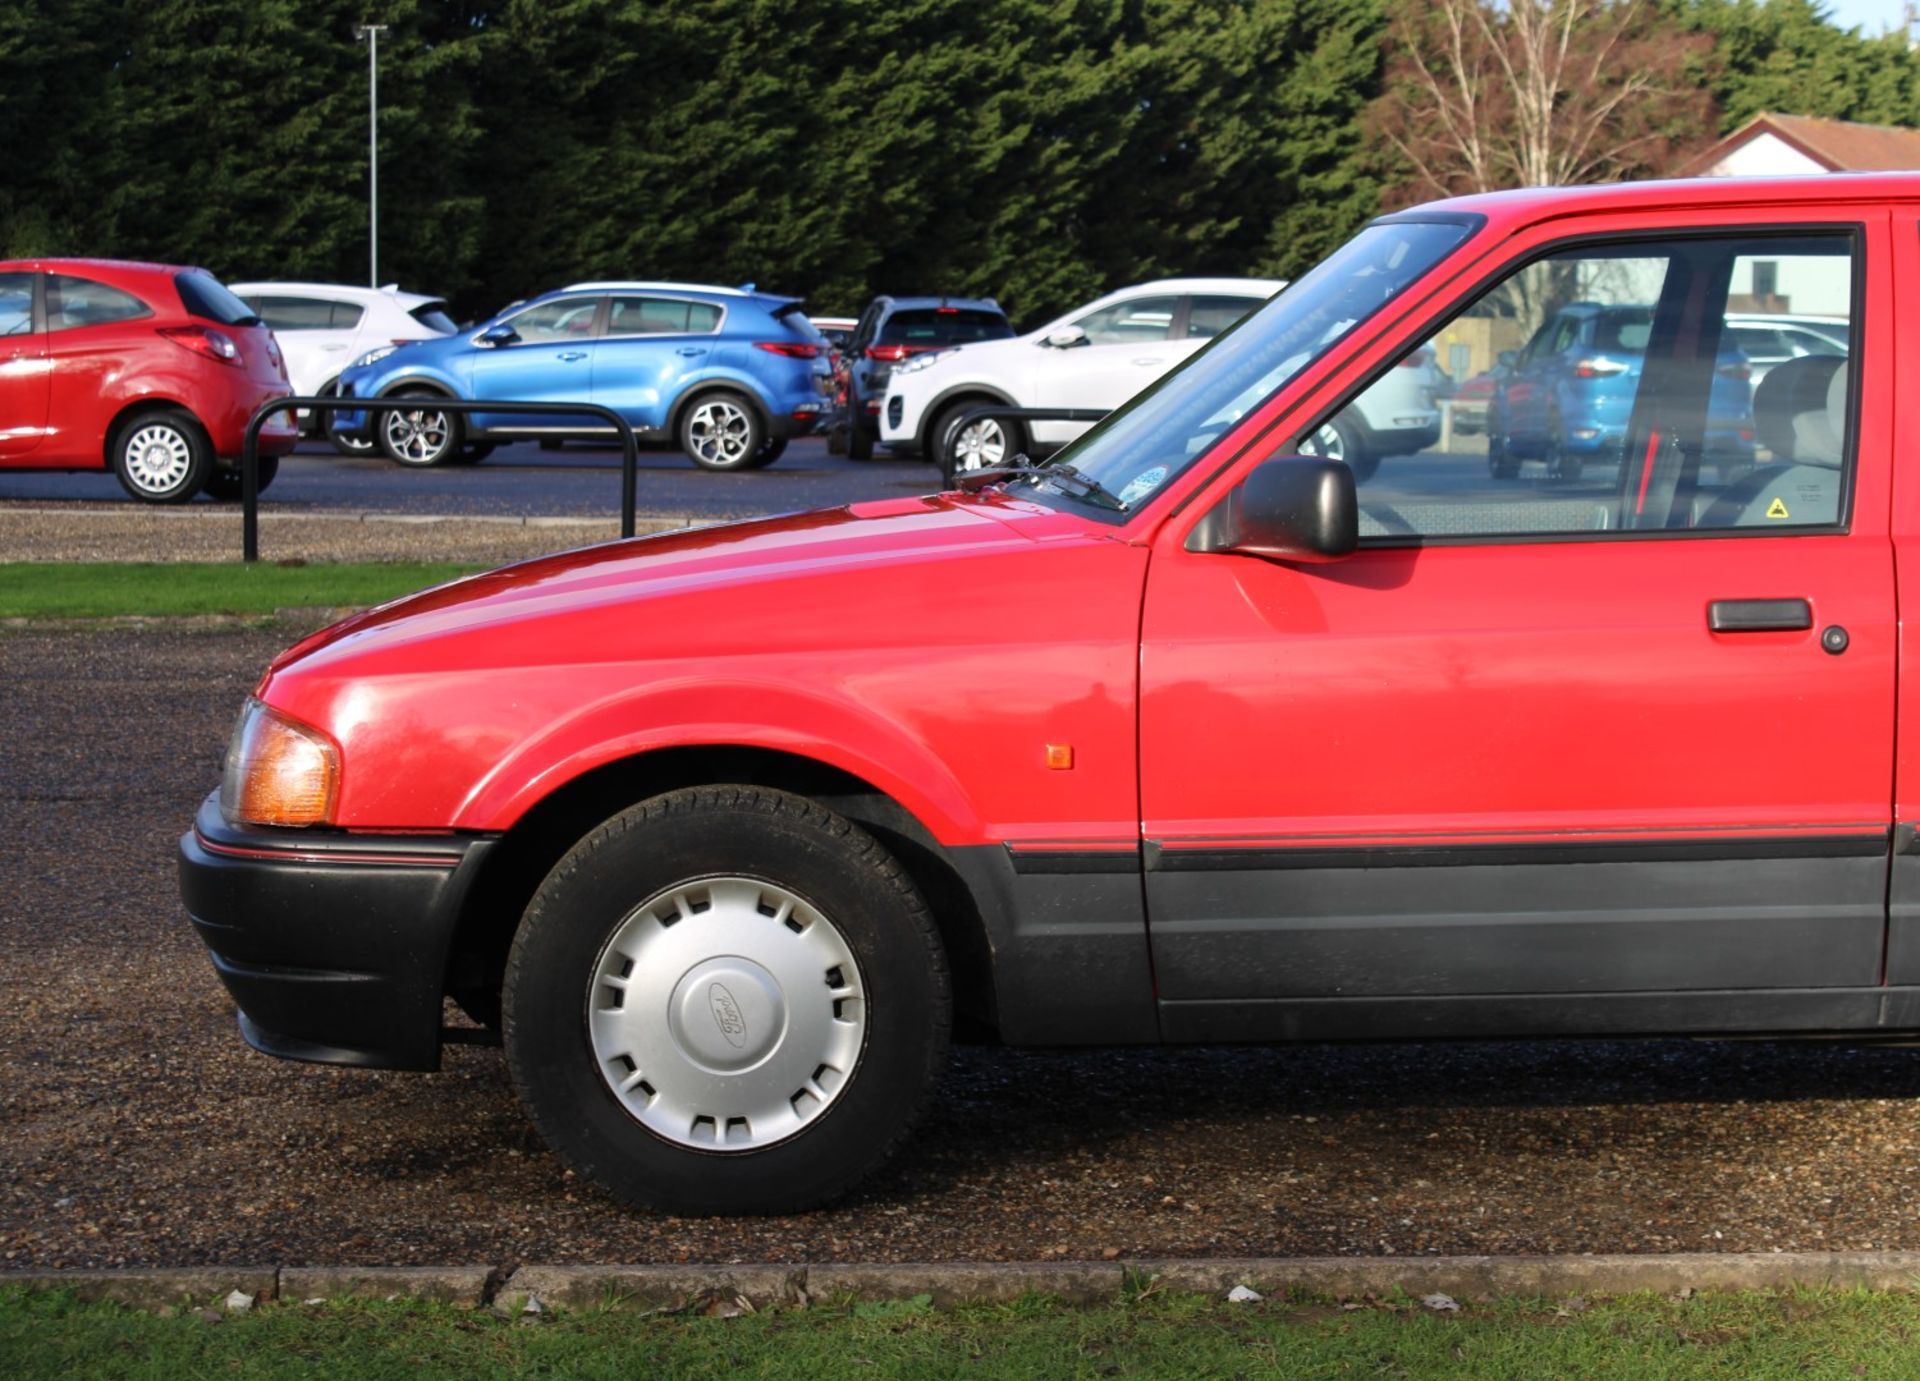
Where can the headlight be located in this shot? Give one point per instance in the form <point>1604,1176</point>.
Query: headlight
<point>279,771</point>
<point>375,355</point>
<point>919,362</point>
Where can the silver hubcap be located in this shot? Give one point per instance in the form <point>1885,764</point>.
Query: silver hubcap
<point>1327,443</point>
<point>157,458</point>
<point>719,433</point>
<point>726,1014</point>
<point>418,436</point>
<point>979,446</point>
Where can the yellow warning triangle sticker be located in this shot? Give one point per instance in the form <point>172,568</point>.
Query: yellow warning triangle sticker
<point>1778,509</point>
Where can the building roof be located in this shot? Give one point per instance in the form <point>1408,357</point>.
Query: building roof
<point>1837,145</point>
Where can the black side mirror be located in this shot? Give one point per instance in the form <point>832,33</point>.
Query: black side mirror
<point>1291,508</point>
<point>498,335</point>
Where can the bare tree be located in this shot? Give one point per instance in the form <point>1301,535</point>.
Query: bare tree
<point>1484,94</point>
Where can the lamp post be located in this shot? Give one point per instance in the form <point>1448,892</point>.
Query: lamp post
<point>371,33</point>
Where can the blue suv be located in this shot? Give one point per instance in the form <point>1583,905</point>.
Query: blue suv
<point>728,373</point>
<point>1567,399</point>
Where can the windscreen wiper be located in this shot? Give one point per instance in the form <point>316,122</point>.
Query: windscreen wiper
<point>1066,477</point>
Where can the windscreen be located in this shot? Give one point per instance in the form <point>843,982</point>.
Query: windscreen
<point>1165,429</point>
<point>932,326</point>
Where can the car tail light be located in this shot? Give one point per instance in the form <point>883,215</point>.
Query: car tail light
<point>202,340</point>
<point>792,349</point>
<point>1598,367</point>
<point>279,771</point>
<point>873,406</point>
<point>893,354</point>
<point>1741,371</point>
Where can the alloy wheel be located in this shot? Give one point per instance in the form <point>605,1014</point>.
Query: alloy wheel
<point>720,433</point>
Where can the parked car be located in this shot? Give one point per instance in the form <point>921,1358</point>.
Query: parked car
<point>1181,736</point>
<point>1568,400</point>
<point>1770,340</point>
<point>729,374</point>
<point>893,329</point>
<point>1399,415</point>
<point>148,370</point>
<point>1093,358</point>
<point>323,327</point>
<point>837,331</point>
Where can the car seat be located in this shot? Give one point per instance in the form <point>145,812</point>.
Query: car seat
<point>1800,416</point>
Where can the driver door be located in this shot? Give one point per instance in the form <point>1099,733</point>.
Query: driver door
<point>25,379</point>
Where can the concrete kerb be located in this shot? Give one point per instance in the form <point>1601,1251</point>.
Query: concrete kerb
<point>668,1289</point>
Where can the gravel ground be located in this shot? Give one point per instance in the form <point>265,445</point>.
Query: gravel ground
<point>138,1130</point>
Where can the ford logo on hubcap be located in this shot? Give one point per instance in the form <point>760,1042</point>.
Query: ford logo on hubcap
<point>727,1015</point>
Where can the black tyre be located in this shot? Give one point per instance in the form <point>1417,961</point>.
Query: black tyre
<point>1500,462</point>
<point>1339,439</point>
<point>769,453</point>
<point>726,1000</point>
<point>722,431</point>
<point>1562,464</point>
<point>978,445</point>
<point>224,484</point>
<point>552,443</point>
<point>837,439</point>
<point>162,456</point>
<point>421,437</point>
<point>860,436</point>
<point>473,453</point>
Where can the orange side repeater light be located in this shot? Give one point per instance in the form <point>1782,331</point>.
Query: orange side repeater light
<point>279,771</point>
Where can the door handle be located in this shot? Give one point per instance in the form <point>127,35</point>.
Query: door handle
<point>1759,615</point>
<point>1149,360</point>
<point>691,350</point>
<point>571,355</point>
<point>333,349</point>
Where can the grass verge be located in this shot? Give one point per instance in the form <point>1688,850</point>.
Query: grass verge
<point>1818,1333</point>
<point>84,589</point>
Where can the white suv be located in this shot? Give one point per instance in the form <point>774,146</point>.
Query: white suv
<point>1092,359</point>
<point>324,327</point>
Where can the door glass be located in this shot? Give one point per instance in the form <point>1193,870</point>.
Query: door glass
<point>1618,388</point>
<point>1209,316</point>
<point>661,316</point>
<point>75,302</point>
<point>16,304</point>
<point>568,318</point>
<point>346,316</point>
<point>1125,323</point>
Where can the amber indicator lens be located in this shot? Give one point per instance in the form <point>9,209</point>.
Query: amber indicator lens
<point>1060,756</point>
<point>279,771</point>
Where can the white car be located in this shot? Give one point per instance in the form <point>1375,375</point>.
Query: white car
<point>324,327</point>
<point>1092,359</point>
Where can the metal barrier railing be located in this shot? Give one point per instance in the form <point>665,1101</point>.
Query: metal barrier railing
<point>250,449</point>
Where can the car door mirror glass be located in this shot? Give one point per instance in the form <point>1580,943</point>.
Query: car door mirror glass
<point>1066,338</point>
<point>1291,508</point>
<point>498,335</point>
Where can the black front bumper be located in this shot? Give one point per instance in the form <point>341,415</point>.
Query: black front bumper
<point>333,945</point>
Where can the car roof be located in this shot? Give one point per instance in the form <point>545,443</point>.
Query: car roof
<point>1527,204</point>
<point>1231,287</point>
<point>98,266</point>
<point>625,284</point>
<point>344,292</point>
<point>921,301</point>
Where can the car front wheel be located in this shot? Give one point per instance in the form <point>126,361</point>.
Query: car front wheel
<point>726,1000</point>
<point>419,437</point>
<point>960,446</point>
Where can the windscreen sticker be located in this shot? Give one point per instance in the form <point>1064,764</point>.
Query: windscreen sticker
<point>1778,509</point>
<point>1143,484</point>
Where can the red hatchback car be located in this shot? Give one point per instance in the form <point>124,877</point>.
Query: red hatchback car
<point>1183,736</point>
<point>147,370</point>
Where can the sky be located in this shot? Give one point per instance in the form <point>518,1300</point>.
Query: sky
<point>1870,15</point>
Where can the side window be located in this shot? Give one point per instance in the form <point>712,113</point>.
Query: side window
<point>1129,323</point>
<point>294,313</point>
<point>564,319</point>
<point>660,316</point>
<point>75,302</point>
<point>16,304</point>
<point>1617,388</point>
<point>863,332</point>
<point>346,316</point>
<point>1209,316</point>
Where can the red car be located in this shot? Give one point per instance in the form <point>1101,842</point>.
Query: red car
<point>147,370</point>
<point>1183,736</point>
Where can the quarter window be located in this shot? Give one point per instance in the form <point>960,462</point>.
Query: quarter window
<point>74,302</point>
<point>661,316</point>
<point>305,313</point>
<point>1617,388</point>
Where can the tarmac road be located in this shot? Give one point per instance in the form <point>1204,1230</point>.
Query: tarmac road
<point>578,481</point>
<point>139,1130</point>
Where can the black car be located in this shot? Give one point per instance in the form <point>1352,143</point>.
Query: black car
<point>893,329</point>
